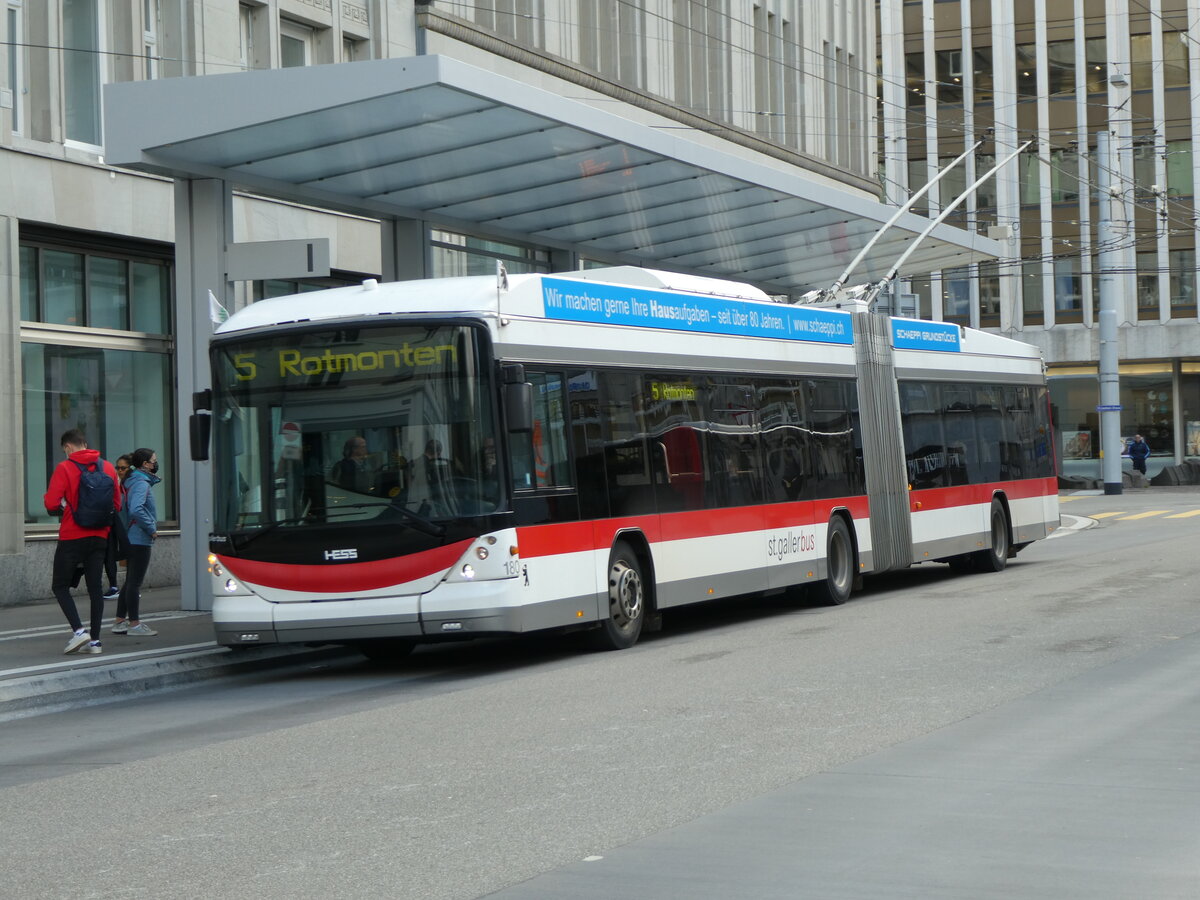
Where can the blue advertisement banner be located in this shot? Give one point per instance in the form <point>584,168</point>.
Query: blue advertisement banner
<point>609,304</point>
<point>915,334</point>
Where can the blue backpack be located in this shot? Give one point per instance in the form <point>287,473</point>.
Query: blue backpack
<point>94,505</point>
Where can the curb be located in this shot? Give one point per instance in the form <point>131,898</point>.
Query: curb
<point>1071,524</point>
<point>56,691</point>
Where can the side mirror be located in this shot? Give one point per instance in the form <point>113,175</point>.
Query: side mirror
<point>199,430</point>
<point>518,407</point>
<point>518,399</point>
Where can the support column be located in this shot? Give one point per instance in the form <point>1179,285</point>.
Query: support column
<point>404,250</point>
<point>1110,379</point>
<point>203,229</point>
<point>12,437</point>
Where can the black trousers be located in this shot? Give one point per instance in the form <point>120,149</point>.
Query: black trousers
<point>136,565</point>
<point>89,553</point>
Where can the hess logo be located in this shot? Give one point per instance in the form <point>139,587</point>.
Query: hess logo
<point>341,554</point>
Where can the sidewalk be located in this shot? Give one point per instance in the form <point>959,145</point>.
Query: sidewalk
<point>36,676</point>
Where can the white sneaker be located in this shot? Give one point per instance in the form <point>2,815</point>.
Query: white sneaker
<point>77,640</point>
<point>143,629</point>
<point>92,647</point>
<point>112,593</point>
<point>121,627</point>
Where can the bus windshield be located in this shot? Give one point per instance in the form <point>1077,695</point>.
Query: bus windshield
<point>354,425</point>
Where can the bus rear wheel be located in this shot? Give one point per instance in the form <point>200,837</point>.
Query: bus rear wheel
<point>839,565</point>
<point>995,557</point>
<point>626,602</point>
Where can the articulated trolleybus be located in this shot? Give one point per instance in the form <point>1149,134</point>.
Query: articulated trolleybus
<point>417,461</point>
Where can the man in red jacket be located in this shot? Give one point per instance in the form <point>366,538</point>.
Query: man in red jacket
<point>78,545</point>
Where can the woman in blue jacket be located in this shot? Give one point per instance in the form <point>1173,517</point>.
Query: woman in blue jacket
<point>142,516</point>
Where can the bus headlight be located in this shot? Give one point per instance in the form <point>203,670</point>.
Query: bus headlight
<point>231,586</point>
<point>468,571</point>
<point>214,567</point>
<point>481,552</point>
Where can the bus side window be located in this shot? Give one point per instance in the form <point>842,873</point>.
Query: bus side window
<point>587,442</point>
<point>924,446</point>
<point>540,459</point>
<point>623,422</point>
<point>785,442</point>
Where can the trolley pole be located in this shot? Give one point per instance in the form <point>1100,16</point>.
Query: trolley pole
<point>1110,379</point>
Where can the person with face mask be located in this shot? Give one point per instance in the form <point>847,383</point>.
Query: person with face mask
<point>143,530</point>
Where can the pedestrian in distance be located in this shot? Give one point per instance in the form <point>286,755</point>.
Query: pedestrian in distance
<point>83,491</point>
<point>142,515</point>
<point>113,554</point>
<point>1139,450</point>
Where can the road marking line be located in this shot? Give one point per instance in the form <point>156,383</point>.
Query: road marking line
<point>1186,515</point>
<point>1144,515</point>
<point>1066,499</point>
<point>1103,515</point>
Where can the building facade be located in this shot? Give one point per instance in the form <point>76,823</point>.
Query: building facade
<point>87,333</point>
<point>954,72</point>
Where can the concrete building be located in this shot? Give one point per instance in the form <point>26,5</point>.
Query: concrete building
<point>1060,73</point>
<point>100,330</point>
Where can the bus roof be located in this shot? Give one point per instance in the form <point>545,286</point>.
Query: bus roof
<point>687,303</point>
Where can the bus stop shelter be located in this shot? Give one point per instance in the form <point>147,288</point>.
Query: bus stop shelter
<point>433,141</point>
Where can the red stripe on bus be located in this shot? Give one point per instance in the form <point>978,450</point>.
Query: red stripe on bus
<point>349,577</point>
<point>581,537</point>
<point>971,494</point>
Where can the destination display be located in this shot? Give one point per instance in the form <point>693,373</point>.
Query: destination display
<point>917,334</point>
<point>607,304</point>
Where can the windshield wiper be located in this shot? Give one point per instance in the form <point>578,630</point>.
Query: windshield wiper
<point>295,520</point>
<point>419,522</point>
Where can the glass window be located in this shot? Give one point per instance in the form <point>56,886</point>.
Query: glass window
<point>1026,70</point>
<point>81,70</point>
<point>1189,383</point>
<point>108,293</point>
<point>734,469</point>
<point>62,287</point>
<point>1060,75</point>
<point>119,399</point>
<point>1179,169</point>
<point>1175,58</point>
<point>1064,175</point>
<point>1076,423</point>
<point>1148,409</point>
<point>679,440</point>
<point>786,442</point>
<point>1068,288</point>
<point>540,460</point>
<point>1097,65</point>
<point>956,295</point>
<point>831,408</point>
<point>353,427</point>
<point>113,287</point>
<point>983,74</point>
<point>1183,283</point>
<point>914,69</point>
<point>989,295</point>
<point>29,284</point>
<point>1031,178</point>
<point>16,65</point>
<point>150,297</point>
<point>295,44</point>
<point>460,254</point>
<point>958,426</point>
<point>949,76</point>
<point>1032,293</point>
<point>587,440</point>
<point>924,446</point>
<point>623,423</point>
<point>1144,64</point>
<point>1147,284</point>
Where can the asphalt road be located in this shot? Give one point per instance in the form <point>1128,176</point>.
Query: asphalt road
<point>477,767</point>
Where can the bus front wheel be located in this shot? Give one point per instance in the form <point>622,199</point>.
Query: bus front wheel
<point>626,601</point>
<point>839,565</point>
